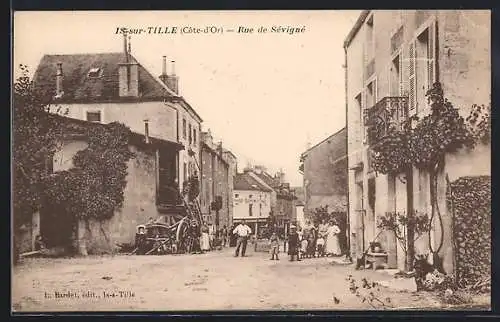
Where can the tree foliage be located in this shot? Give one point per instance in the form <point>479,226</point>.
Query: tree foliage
<point>399,224</point>
<point>35,138</point>
<point>94,187</point>
<point>423,142</point>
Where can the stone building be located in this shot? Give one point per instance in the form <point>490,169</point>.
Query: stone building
<point>140,194</point>
<point>252,201</point>
<point>232,161</point>
<point>215,191</point>
<point>115,87</point>
<point>282,196</point>
<point>392,59</point>
<point>111,87</point>
<point>324,169</point>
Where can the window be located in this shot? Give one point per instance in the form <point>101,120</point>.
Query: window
<point>395,77</point>
<point>185,170</point>
<point>194,136</point>
<point>184,132</point>
<point>260,209</point>
<point>362,118</point>
<point>166,166</point>
<point>95,73</point>
<point>250,196</point>
<point>421,68</point>
<point>371,94</point>
<point>236,195</point>
<point>422,78</point>
<point>250,213</point>
<point>94,116</point>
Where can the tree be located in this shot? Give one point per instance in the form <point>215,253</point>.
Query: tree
<point>399,224</point>
<point>35,139</point>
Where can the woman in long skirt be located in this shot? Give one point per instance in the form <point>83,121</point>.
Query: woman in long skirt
<point>332,244</point>
<point>205,239</point>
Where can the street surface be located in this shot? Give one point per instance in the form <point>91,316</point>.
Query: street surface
<point>212,281</point>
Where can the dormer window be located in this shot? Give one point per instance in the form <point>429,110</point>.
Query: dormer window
<point>95,72</point>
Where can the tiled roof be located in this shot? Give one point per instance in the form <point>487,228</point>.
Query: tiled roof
<point>244,181</point>
<point>268,179</point>
<point>78,87</point>
<point>340,135</point>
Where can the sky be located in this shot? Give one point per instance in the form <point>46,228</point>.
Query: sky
<point>266,96</point>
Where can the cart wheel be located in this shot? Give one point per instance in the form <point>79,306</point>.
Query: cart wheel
<point>181,236</point>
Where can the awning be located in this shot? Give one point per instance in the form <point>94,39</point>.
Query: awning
<point>140,140</point>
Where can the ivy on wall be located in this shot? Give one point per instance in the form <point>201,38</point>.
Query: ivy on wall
<point>424,143</point>
<point>470,201</point>
<point>94,187</point>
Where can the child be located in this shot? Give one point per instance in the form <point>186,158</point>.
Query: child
<point>39,244</point>
<point>274,241</point>
<point>140,240</point>
<point>320,243</point>
<point>303,247</point>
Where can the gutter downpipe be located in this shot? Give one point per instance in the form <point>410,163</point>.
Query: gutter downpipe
<point>348,226</point>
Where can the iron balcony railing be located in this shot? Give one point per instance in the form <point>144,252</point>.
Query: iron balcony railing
<point>390,111</point>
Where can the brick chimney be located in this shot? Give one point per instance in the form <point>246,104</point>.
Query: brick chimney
<point>172,80</point>
<point>128,72</point>
<point>163,76</point>
<point>219,148</point>
<point>59,81</point>
<point>146,131</point>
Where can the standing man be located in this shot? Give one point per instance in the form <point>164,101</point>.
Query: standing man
<point>242,231</point>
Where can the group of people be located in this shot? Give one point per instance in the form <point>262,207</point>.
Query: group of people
<point>214,239</point>
<point>313,241</point>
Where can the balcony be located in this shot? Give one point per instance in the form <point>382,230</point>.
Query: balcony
<point>391,111</point>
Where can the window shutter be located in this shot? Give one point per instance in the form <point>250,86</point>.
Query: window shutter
<point>389,72</point>
<point>431,61</point>
<point>412,79</point>
<point>365,115</point>
<point>401,88</point>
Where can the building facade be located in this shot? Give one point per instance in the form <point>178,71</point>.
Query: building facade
<point>140,194</point>
<point>232,161</point>
<point>392,59</point>
<point>251,202</point>
<point>115,87</point>
<point>324,170</point>
<point>215,191</point>
<point>282,197</point>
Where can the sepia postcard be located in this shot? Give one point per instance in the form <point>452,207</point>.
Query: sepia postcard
<point>251,160</point>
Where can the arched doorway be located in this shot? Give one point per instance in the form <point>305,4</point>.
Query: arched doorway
<point>57,227</point>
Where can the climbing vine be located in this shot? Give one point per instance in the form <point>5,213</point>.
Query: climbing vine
<point>399,224</point>
<point>424,142</point>
<point>94,187</point>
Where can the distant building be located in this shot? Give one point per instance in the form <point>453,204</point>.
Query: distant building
<point>252,201</point>
<point>215,179</point>
<point>232,161</point>
<point>282,197</point>
<point>324,169</point>
<point>299,206</point>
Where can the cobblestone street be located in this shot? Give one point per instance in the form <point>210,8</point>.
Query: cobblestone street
<point>212,281</point>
